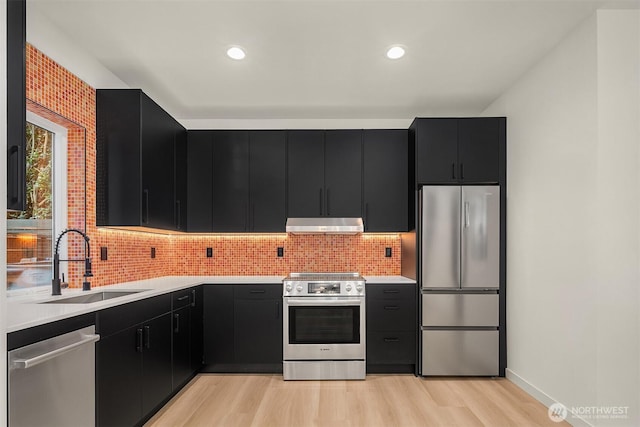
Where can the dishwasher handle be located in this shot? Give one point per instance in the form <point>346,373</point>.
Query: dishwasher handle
<point>41,358</point>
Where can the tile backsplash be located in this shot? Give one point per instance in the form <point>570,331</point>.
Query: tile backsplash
<point>129,253</point>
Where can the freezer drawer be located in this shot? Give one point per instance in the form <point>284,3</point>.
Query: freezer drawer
<point>460,352</point>
<point>459,309</point>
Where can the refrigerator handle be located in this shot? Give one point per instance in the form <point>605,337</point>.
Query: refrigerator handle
<point>466,215</point>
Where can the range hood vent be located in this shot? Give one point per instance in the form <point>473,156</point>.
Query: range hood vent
<point>324,225</point>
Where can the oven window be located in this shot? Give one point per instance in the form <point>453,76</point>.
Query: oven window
<point>324,325</point>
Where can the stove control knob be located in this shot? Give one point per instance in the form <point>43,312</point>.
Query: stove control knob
<point>289,287</point>
<point>359,288</point>
<point>348,288</point>
<point>299,288</point>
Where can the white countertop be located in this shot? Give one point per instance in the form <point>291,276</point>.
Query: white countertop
<point>25,311</point>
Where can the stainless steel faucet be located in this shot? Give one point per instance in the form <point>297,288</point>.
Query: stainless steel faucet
<point>55,283</point>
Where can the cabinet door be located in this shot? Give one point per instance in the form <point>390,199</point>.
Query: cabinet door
<point>180,167</point>
<point>181,346</point>
<point>386,180</point>
<point>200,181</point>
<point>305,173</point>
<point>479,149</point>
<point>267,164</point>
<point>156,362</point>
<point>218,324</point>
<point>230,181</point>
<point>157,136</point>
<point>436,150</point>
<point>16,104</point>
<point>258,331</point>
<point>197,335</point>
<point>343,173</point>
<point>118,375</point>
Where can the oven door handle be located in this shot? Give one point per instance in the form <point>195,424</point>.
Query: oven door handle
<point>321,301</point>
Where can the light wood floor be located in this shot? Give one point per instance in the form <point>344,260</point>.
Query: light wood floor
<point>380,400</point>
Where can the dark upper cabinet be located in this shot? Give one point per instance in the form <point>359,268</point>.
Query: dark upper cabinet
<point>325,173</point>
<point>200,181</point>
<point>230,181</point>
<point>343,173</point>
<point>458,150</point>
<point>16,104</point>
<point>305,173</point>
<point>267,180</point>
<point>236,181</point>
<point>386,178</point>
<point>180,177</point>
<point>138,154</point>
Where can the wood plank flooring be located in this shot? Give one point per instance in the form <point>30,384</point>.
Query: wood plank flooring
<point>380,400</point>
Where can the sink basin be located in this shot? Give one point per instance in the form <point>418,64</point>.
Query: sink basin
<point>93,297</point>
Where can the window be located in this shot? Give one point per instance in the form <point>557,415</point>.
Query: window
<point>31,234</point>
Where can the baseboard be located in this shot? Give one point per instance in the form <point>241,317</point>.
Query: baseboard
<point>543,397</point>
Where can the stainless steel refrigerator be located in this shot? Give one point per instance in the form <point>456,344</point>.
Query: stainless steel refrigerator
<point>459,277</point>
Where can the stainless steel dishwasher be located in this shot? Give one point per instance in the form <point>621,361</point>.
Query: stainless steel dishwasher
<point>52,382</point>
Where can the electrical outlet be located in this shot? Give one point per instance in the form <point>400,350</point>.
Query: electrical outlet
<point>209,252</point>
<point>280,251</point>
<point>387,252</point>
<point>103,253</point>
<point>153,252</point>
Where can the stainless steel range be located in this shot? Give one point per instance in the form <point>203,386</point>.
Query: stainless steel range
<point>324,326</point>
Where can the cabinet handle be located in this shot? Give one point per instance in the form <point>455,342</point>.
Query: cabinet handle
<point>246,216</point>
<point>15,151</point>
<point>176,328</point>
<point>461,170</point>
<point>391,307</point>
<point>193,298</point>
<point>253,217</point>
<point>393,339</point>
<point>366,214</point>
<point>145,217</point>
<point>256,291</point>
<point>453,170</point>
<point>139,340</point>
<point>147,336</point>
<point>321,202</point>
<point>179,220</point>
<point>328,202</point>
<point>390,291</point>
<point>183,298</point>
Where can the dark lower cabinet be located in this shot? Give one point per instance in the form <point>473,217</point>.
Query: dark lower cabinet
<point>243,328</point>
<point>391,328</point>
<point>134,372</point>
<point>133,361</point>
<point>181,346</point>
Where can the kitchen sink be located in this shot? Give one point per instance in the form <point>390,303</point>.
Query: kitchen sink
<point>94,297</point>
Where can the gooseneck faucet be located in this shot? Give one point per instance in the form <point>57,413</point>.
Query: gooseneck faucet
<point>55,283</point>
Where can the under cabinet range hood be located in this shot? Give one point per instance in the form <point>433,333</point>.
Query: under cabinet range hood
<point>323,225</point>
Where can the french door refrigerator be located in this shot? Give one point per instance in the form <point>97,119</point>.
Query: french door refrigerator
<point>459,254</point>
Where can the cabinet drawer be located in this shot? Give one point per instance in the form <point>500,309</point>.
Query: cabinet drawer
<point>115,319</point>
<point>460,309</point>
<point>181,298</point>
<point>389,315</point>
<point>460,353</point>
<point>393,347</point>
<point>257,291</point>
<point>393,291</point>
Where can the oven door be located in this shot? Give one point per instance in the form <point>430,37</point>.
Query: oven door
<point>324,328</point>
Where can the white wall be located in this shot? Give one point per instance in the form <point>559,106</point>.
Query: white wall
<point>573,225</point>
<point>3,221</point>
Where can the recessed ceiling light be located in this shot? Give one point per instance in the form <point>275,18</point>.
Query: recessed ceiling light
<point>236,53</point>
<point>395,52</point>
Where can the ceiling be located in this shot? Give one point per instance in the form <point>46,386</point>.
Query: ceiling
<point>317,59</point>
